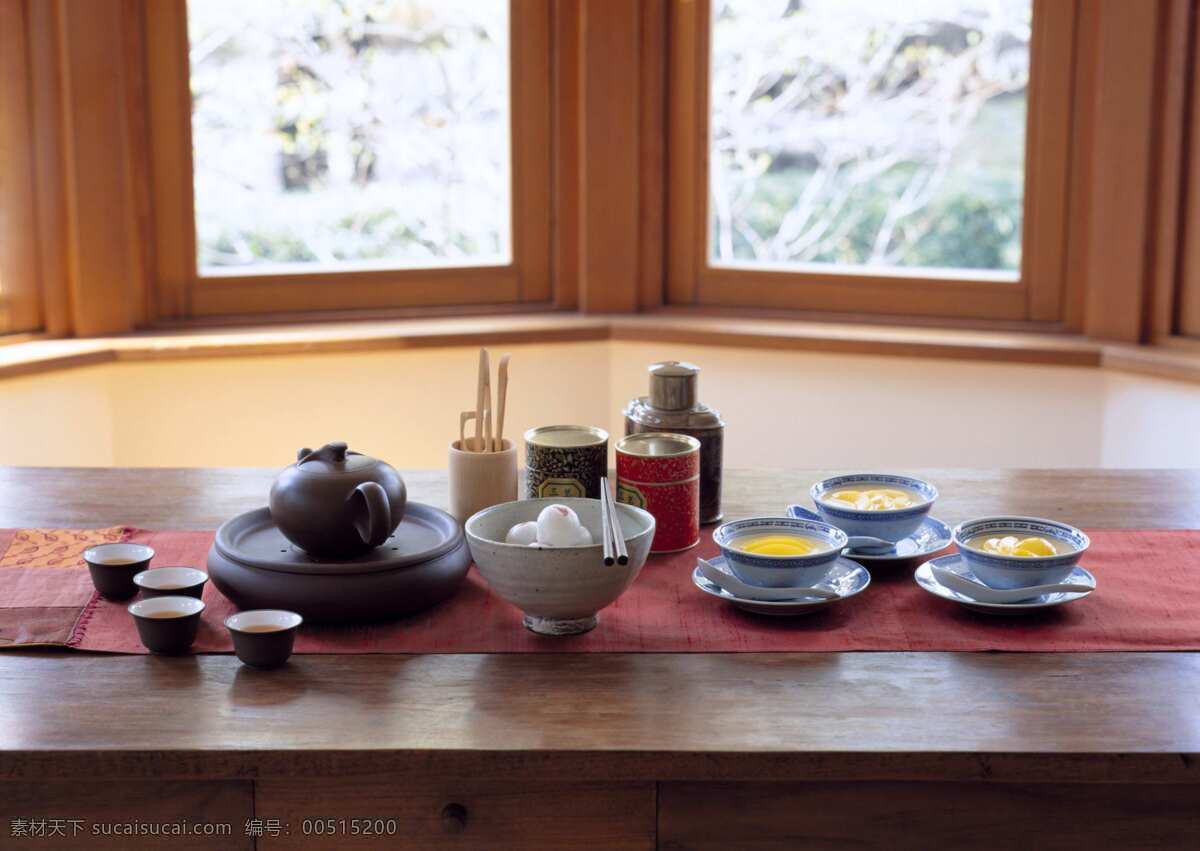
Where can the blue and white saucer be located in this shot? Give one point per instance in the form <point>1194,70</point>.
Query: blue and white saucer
<point>932,536</point>
<point>925,578</point>
<point>845,577</point>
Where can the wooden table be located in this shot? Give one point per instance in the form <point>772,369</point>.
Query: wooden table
<point>900,750</point>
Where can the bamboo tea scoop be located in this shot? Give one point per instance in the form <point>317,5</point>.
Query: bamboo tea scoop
<point>501,398</point>
<point>483,403</point>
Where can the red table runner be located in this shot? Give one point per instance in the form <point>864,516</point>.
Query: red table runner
<point>1148,598</point>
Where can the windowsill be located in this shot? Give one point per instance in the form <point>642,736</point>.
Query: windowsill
<point>963,344</point>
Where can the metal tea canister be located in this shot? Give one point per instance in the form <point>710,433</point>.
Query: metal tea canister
<point>565,460</point>
<point>660,472</point>
<point>672,406</point>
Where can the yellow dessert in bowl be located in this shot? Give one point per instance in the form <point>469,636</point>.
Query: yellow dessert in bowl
<point>779,545</point>
<point>1022,547</point>
<point>873,499</point>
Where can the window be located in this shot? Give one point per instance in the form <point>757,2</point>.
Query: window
<point>349,153</point>
<point>871,157</point>
<point>359,133</point>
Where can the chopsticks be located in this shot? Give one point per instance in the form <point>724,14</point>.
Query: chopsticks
<point>610,522</point>
<point>606,529</point>
<point>485,440</point>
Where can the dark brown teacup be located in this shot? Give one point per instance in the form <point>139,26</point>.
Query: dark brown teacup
<point>167,625</point>
<point>113,567</point>
<point>171,582</point>
<point>263,638</point>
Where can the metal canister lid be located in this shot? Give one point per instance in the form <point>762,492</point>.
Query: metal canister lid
<point>566,436</point>
<point>657,444</point>
<point>673,385</point>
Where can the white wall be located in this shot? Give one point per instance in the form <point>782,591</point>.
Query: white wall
<point>792,409</point>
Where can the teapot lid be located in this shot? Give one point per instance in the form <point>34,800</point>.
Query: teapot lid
<point>332,459</point>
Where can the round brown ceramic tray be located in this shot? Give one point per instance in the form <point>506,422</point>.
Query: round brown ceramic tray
<point>253,539</point>
<point>428,565</point>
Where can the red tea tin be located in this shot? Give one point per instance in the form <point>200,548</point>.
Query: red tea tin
<point>660,472</point>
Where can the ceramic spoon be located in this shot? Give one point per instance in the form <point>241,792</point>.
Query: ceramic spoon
<point>853,542</point>
<point>739,588</point>
<point>985,594</point>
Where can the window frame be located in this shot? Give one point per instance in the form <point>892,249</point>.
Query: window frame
<point>180,292</point>
<point>1039,294</point>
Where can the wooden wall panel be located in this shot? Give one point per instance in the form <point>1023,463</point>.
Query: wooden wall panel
<point>652,154</point>
<point>568,139</point>
<point>104,270</point>
<point>1188,282</point>
<point>1120,232</point>
<point>1174,88</point>
<point>169,166</point>
<point>609,197</point>
<point>1087,30</point>
<point>686,103</point>
<point>20,303</point>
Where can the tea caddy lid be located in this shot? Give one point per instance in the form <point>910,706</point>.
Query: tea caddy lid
<point>673,385</point>
<point>656,444</point>
<point>672,401</point>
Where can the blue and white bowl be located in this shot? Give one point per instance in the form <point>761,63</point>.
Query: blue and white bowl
<point>1000,571</point>
<point>769,571</point>
<point>894,525</point>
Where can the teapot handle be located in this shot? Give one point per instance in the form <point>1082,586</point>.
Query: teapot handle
<point>375,527</point>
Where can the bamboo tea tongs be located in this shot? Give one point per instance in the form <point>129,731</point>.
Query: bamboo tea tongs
<point>485,439</point>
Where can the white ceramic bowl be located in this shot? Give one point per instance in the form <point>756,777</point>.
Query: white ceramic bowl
<point>891,525</point>
<point>1008,572</point>
<point>772,571</point>
<point>560,589</point>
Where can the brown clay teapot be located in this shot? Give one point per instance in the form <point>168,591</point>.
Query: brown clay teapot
<point>333,503</point>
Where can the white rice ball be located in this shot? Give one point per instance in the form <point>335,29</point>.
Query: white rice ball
<point>523,534</point>
<point>557,526</point>
<point>583,537</point>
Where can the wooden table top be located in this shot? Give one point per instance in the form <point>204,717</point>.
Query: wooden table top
<point>1033,716</point>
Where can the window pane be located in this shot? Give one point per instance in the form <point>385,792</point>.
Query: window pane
<point>868,133</point>
<point>350,133</point>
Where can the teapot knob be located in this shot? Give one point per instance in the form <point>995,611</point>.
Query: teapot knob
<point>334,452</point>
